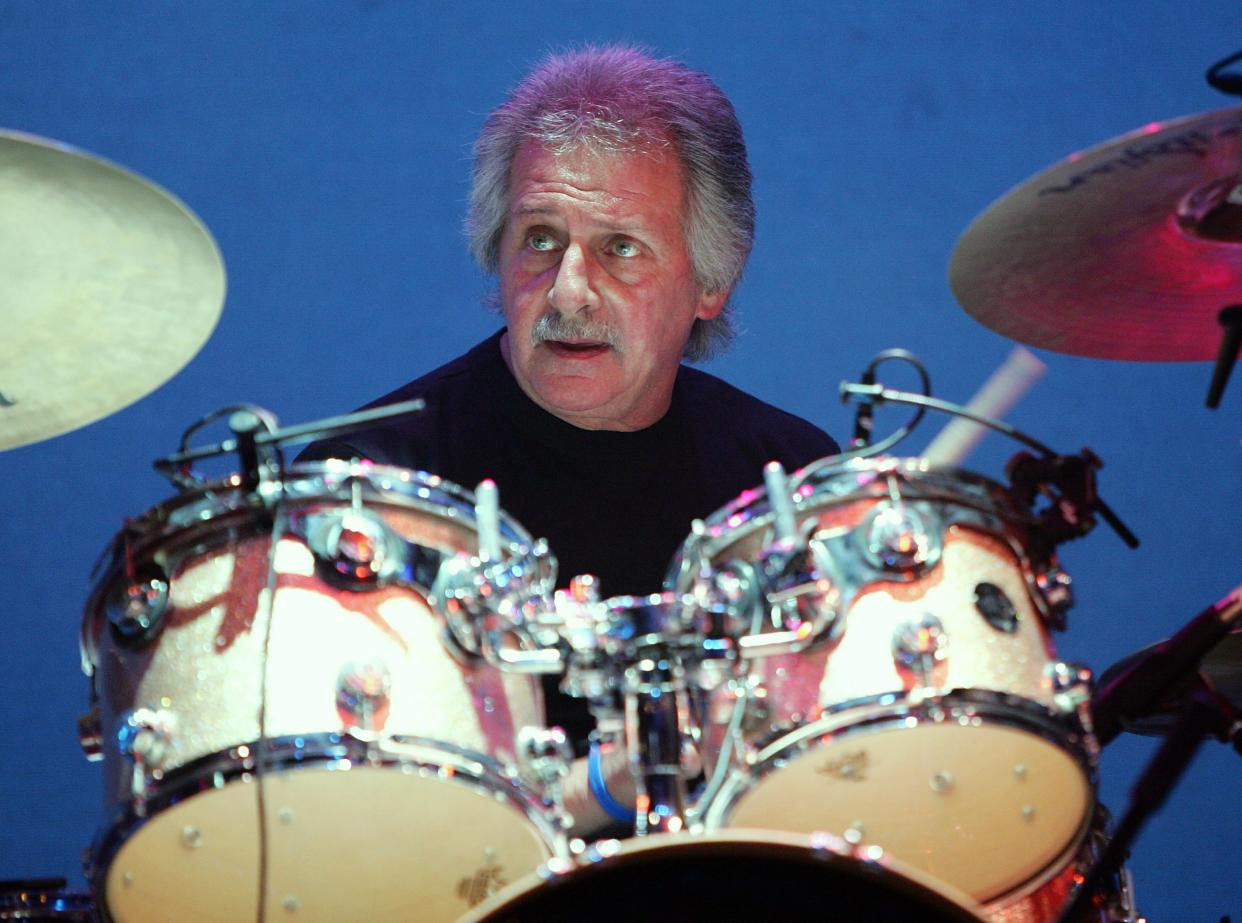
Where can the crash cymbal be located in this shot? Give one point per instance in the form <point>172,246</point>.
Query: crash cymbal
<point>108,287</point>
<point>1221,666</point>
<point>1128,250</point>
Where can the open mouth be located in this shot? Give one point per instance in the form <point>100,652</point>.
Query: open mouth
<point>586,349</point>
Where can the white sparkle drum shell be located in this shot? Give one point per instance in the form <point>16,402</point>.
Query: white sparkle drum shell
<point>733,875</point>
<point>285,734</point>
<point>929,719</point>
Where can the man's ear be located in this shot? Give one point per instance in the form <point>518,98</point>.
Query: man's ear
<point>711,304</point>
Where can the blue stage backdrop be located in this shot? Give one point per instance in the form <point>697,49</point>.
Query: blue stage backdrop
<point>326,145</point>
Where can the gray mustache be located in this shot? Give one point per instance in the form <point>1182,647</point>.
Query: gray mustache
<point>556,326</point>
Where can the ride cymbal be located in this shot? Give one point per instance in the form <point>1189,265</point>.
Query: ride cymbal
<point>1128,250</point>
<point>108,287</point>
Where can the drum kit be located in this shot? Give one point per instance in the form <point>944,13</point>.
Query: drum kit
<point>315,687</point>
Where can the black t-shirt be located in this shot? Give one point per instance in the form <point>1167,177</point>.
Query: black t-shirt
<point>614,504</point>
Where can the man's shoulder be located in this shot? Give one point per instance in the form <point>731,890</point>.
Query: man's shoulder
<point>419,441</point>
<point>457,373</point>
<point>748,417</point>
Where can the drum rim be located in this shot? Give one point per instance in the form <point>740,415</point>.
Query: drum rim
<point>756,514</point>
<point>989,707</point>
<point>938,706</point>
<point>826,847</point>
<point>324,752</point>
<point>305,482</point>
<point>211,512</point>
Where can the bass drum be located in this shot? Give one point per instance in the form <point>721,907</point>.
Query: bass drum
<point>750,875</point>
<point>281,721</point>
<point>929,714</point>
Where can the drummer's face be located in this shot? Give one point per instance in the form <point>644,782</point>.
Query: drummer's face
<point>594,244</point>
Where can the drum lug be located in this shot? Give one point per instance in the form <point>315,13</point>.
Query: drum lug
<point>731,592</point>
<point>545,755</point>
<point>897,538</point>
<point>1071,689</point>
<point>1056,588</point>
<point>90,734</point>
<point>146,738</point>
<point>136,613</point>
<point>354,548</point>
<point>362,696</point>
<point>920,652</point>
<point>801,600</point>
<point>493,609</point>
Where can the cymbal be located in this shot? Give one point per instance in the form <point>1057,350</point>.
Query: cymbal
<point>108,287</point>
<point>1128,250</point>
<point>1221,666</point>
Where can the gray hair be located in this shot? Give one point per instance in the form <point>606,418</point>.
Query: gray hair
<point>619,99</point>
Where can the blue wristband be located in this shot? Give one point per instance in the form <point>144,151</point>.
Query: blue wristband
<point>599,788</point>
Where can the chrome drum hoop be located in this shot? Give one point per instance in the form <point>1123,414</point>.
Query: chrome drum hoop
<point>216,513</point>
<point>897,711</point>
<point>954,495</point>
<point>330,751</point>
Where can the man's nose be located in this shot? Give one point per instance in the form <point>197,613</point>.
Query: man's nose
<point>573,290</point>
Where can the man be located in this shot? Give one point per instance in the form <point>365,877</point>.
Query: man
<point>612,199</point>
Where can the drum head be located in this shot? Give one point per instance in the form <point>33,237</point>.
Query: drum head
<point>984,807</point>
<point>370,843</point>
<point>752,875</point>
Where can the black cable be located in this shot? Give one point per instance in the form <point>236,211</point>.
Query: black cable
<point>874,394</point>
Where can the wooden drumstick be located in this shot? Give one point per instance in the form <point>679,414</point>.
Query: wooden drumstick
<point>1000,392</point>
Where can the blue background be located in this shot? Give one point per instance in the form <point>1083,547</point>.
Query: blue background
<point>326,145</point>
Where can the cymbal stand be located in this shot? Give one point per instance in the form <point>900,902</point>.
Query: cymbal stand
<point>1230,319</point>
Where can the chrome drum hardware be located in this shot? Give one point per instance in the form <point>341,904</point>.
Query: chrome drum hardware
<point>290,721</point>
<point>925,711</point>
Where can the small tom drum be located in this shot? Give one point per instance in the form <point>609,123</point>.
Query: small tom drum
<point>929,715</point>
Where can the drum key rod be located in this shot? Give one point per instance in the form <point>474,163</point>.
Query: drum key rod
<point>777,483</point>
<point>487,520</point>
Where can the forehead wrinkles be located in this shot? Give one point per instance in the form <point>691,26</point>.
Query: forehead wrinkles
<point>538,198</point>
<point>627,188</point>
<point>568,201</point>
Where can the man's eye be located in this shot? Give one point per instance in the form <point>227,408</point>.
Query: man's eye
<point>625,248</point>
<point>541,242</point>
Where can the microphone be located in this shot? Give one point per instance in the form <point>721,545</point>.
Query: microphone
<point>246,425</point>
<point>862,419</point>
